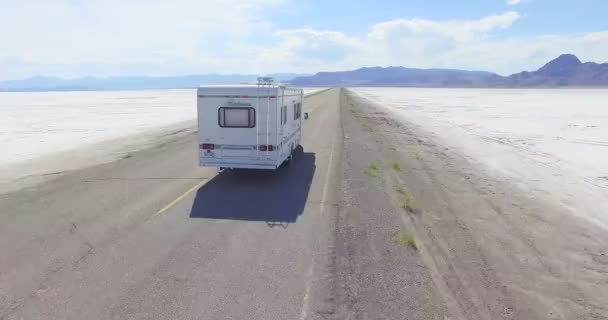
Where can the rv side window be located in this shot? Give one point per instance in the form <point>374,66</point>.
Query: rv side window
<point>284,114</point>
<point>236,117</point>
<point>297,111</point>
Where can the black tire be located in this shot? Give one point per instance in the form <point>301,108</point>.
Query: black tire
<point>289,160</point>
<point>298,150</point>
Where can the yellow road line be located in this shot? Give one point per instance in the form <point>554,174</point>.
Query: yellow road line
<point>178,199</point>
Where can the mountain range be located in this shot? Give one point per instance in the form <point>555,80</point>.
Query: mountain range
<point>564,71</point>
<point>131,82</point>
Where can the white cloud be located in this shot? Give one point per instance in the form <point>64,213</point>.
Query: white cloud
<point>514,2</point>
<point>396,42</point>
<point>135,32</point>
<point>68,38</point>
<point>468,44</point>
<point>307,49</point>
<point>455,30</point>
<point>423,42</point>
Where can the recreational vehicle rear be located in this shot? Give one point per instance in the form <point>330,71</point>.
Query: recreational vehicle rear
<point>252,126</point>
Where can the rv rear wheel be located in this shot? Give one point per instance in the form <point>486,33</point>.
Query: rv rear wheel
<point>289,160</point>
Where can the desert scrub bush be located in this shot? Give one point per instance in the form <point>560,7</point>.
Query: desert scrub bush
<point>372,170</point>
<point>406,238</point>
<point>395,166</point>
<point>409,204</point>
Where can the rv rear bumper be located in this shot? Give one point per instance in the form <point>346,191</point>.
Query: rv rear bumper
<point>239,165</point>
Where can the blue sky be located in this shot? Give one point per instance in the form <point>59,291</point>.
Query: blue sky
<point>73,38</point>
<point>538,16</point>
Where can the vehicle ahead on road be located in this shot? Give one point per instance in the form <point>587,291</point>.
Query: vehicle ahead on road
<point>251,126</point>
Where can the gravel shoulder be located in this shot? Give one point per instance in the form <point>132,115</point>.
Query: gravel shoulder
<point>486,249</point>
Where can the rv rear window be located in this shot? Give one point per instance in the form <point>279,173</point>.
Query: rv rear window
<point>236,117</point>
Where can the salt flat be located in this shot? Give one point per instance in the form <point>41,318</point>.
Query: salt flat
<point>550,141</point>
<point>49,132</point>
<point>33,124</point>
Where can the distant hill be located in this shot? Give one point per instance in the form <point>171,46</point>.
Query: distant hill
<point>398,76</point>
<point>566,70</point>
<point>130,82</point>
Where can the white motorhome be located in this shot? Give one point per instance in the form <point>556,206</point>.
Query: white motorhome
<point>251,126</point>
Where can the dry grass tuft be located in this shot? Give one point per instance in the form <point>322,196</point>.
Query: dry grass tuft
<point>372,170</point>
<point>395,166</point>
<point>406,238</point>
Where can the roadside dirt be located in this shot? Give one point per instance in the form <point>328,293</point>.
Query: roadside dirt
<point>484,248</point>
<point>378,276</point>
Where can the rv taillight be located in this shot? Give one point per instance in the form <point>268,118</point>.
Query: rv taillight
<point>266,147</point>
<point>207,146</point>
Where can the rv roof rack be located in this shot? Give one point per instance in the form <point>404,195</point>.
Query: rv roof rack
<point>265,80</point>
<point>268,81</point>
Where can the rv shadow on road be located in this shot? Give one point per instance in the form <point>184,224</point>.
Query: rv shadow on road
<point>276,197</point>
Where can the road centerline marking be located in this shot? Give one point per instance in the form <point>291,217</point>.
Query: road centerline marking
<point>304,311</point>
<point>181,197</point>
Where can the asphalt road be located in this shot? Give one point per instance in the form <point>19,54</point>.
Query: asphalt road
<point>153,236</point>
